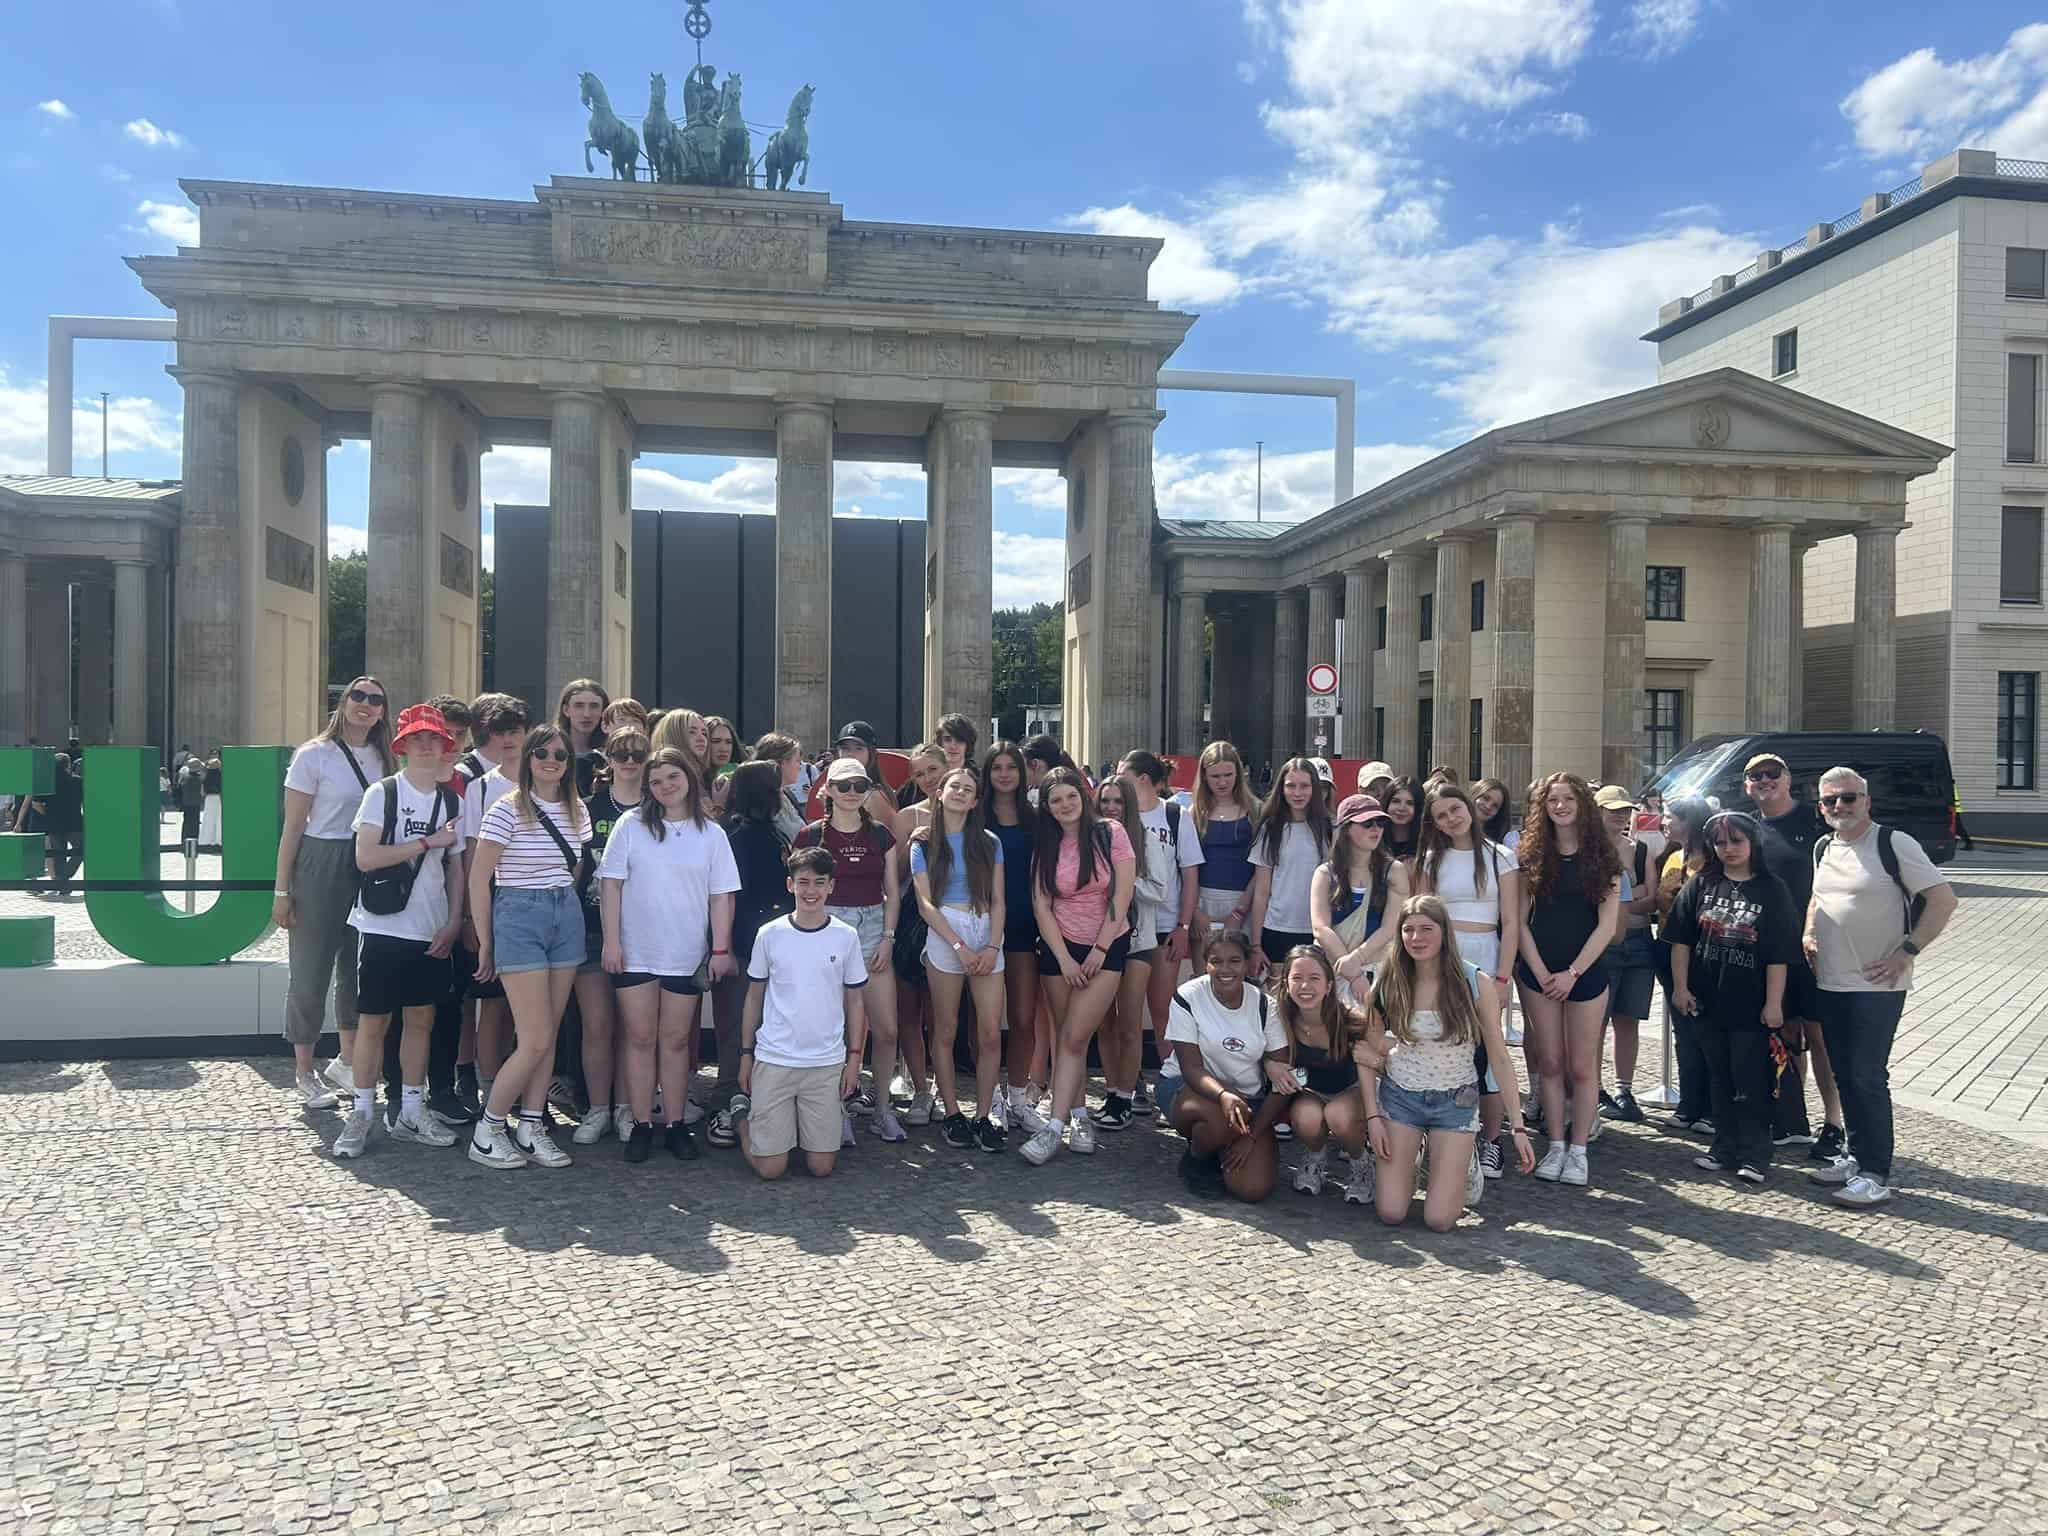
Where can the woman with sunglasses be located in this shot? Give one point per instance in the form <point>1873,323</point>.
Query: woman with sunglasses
<point>579,716</point>
<point>529,929</point>
<point>317,880</point>
<point>1733,932</point>
<point>866,890</point>
<point>617,795</point>
<point>1352,893</point>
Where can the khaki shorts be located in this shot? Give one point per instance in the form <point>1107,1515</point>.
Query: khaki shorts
<point>794,1106</point>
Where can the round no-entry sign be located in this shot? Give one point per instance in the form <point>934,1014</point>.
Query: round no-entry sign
<point>1322,678</point>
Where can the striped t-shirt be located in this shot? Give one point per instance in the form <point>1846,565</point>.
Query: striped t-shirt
<point>531,861</point>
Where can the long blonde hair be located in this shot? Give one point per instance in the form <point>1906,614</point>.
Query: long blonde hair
<point>1205,801</point>
<point>1341,1023</point>
<point>673,730</point>
<point>1393,995</point>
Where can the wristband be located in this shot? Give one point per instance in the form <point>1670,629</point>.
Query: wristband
<point>280,893</point>
<point>1370,1118</point>
<point>721,951</point>
<point>746,1050</point>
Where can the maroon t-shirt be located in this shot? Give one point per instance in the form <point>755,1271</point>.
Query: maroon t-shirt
<point>858,860</point>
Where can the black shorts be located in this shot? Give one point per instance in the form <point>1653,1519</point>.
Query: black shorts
<point>678,986</point>
<point>465,966</point>
<point>1802,991</point>
<point>1276,942</point>
<point>1588,987</point>
<point>1020,938</point>
<point>1049,965</point>
<point>394,974</point>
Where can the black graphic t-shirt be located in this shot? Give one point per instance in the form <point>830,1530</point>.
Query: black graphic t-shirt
<point>605,813</point>
<point>1734,928</point>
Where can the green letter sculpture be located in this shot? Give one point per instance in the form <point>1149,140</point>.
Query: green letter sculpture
<point>26,940</point>
<point>121,823</point>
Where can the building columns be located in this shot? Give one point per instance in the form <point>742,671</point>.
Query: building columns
<point>13,650</point>
<point>959,663</point>
<point>1768,696</point>
<point>1451,710</point>
<point>576,575</point>
<point>1514,653</point>
<point>131,653</point>
<point>1226,668</point>
<point>94,602</point>
<point>1190,608</point>
<point>1873,668</point>
<point>1123,588</point>
<point>803,571</point>
<point>1404,661</point>
<point>1290,688</point>
<point>1354,670</point>
<point>395,636</point>
<point>212,694</point>
<point>1621,695</point>
<point>1322,649</point>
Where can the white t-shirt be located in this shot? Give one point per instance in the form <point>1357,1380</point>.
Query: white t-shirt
<point>1164,862</point>
<point>666,890</point>
<point>320,769</point>
<point>1859,916</point>
<point>426,913</point>
<point>1287,904</point>
<point>1233,1041</point>
<point>480,796</point>
<point>807,971</point>
<point>532,861</point>
<point>1457,885</point>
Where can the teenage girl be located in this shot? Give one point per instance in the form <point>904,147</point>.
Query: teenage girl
<point>1293,839</point>
<point>317,878</point>
<point>529,929</point>
<point>617,795</point>
<point>1122,1041</point>
<point>1229,1050</point>
<point>1325,1035</point>
<point>1497,822</point>
<point>881,805</point>
<point>1571,904</point>
<point>1403,801</point>
<point>1226,813</point>
<point>913,991</point>
<point>579,715</point>
<point>1007,811</point>
<point>1084,873</point>
<point>722,750</point>
<point>1352,894</point>
<point>956,865</point>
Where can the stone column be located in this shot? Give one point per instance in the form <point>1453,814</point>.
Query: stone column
<point>803,571</point>
<point>1190,608</point>
<point>1798,653</point>
<point>1354,668</point>
<point>13,650</point>
<point>1621,675</point>
<point>576,546</point>
<point>211,692</point>
<point>1290,689</point>
<point>395,609</point>
<point>1767,699</point>
<point>1322,647</point>
<point>1873,668</point>
<point>1453,690</point>
<point>1123,585</point>
<point>1255,702</point>
<point>95,626</point>
<point>49,683</point>
<point>960,668</point>
<point>131,654</point>
<point>1513,713</point>
<point>1404,659</point>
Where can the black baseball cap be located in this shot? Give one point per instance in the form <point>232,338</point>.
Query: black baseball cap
<point>860,731</point>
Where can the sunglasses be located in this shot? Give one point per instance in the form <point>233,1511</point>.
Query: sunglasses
<point>357,696</point>
<point>549,755</point>
<point>1759,775</point>
<point>627,755</point>
<point>851,786</point>
<point>1842,797</point>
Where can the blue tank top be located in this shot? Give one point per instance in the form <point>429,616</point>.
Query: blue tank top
<point>1227,855</point>
<point>1016,841</point>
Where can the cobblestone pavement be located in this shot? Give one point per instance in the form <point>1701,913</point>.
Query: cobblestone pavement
<point>208,1325</point>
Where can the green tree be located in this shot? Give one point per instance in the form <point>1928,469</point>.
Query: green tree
<point>487,617</point>
<point>348,584</point>
<point>1026,645</point>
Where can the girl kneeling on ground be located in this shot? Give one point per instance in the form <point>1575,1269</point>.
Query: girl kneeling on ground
<point>1229,1052</point>
<point>1325,1042</point>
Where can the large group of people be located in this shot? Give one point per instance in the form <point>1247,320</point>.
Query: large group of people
<point>518,919</point>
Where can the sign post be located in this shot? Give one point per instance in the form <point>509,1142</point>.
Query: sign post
<point>1322,700</point>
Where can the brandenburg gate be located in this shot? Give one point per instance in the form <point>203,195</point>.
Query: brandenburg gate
<point>604,319</point>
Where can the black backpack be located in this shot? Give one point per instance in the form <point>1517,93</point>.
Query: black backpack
<point>1888,856</point>
<point>387,892</point>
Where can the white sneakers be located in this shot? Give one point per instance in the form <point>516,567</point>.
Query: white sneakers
<point>886,1126</point>
<point>1838,1173</point>
<point>622,1121</point>
<point>540,1148</point>
<point>314,1094</point>
<point>430,1132</point>
<point>1552,1166</point>
<point>338,1076</point>
<point>496,1150</point>
<point>1358,1187</point>
<point>355,1134</point>
<point>1023,1113</point>
<point>920,1111</point>
<point>1475,1179</point>
<point>1043,1143</point>
<point>1311,1170</point>
<point>1080,1134</point>
<point>1863,1191</point>
<point>1574,1171</point>
<point>591,1128</point>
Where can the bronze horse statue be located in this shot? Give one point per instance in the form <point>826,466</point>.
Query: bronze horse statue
<point>663,140</point>
<point>735,144</point>
<point>789,146</point>
<point>607,133</point>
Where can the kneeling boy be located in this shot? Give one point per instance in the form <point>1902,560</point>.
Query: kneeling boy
<point>804,1030</point>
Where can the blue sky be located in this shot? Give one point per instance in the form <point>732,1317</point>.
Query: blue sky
<point>1473,207</point>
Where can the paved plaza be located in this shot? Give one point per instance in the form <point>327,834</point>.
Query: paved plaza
<point>208,1325</point>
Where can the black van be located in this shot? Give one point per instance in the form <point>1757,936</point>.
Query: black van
<point>1911,785</point>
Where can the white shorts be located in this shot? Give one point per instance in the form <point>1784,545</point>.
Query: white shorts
<point>971,929</point>
<point>1216,905</point>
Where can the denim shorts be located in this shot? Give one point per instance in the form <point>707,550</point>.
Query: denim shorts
<point>1434,1109</point>
<point>537,930</point>
<point>1631,966</point>
<point>864,921</point>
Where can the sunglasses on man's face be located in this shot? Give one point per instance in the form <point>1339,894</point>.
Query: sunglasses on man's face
<point>627,755</point>
<point>1758,775</point>
<point>357,696</point>
<point>549,755</point>
<point>1842,797</point>
<point>851,786</point>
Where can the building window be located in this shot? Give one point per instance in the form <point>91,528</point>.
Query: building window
<point>2022,406</point>
<point>1379,729</point>
<point>1664,593</point>
<point>2018,721</point>
<point>2019,555</point>
<point>2026,273</point>
<point>1425,737</point>
<point>1478,606</point>
<point>1379,620</point>
<point>1664,715</point>
<point>1785,353</point>
<point>1473,770</point>
<point>1427,605</point>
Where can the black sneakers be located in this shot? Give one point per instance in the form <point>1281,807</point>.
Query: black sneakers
<point>1830,1144</point>
<point>1115,1114</point>
<point>682,1143</point>
<point>639,1143</point>
<point>988,1135</point>
<point>1621,1105</point>
<point>958,1130</point>
<point>1202,1175</point>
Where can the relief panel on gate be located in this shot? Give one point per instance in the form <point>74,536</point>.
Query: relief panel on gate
<point>686,251</point>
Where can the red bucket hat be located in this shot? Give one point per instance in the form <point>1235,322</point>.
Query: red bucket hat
<point>421,719</point>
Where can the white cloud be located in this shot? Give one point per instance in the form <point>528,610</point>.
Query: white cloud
<point>343,542</point>
<point>1659,28</point>
<point>150,136</point>
<point>142,434</point>
<point>1028,568</point>
<point>57,109</point>
<point>1186,272</point>
<point>1920,106</point>
<point>1044,489</point>
<point>175,222</point>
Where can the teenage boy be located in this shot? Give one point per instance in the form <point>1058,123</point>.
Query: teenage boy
<point>402,962</point>
<point>498,730</point>
<point>804,1029</point>
<point>1176,846</point>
